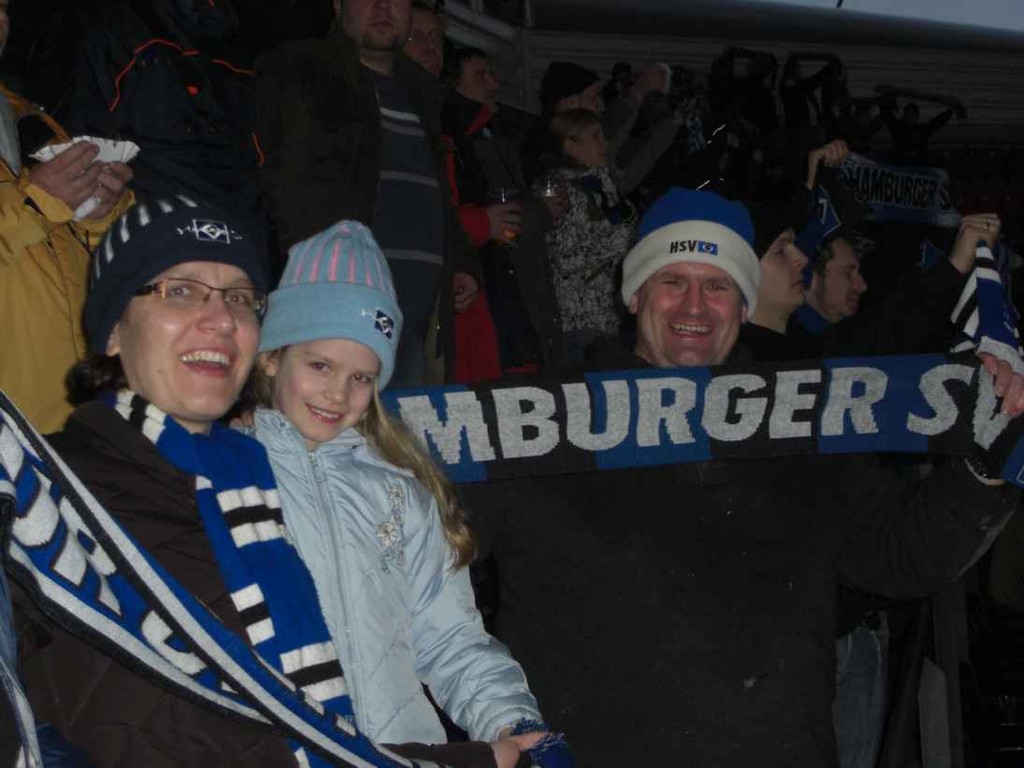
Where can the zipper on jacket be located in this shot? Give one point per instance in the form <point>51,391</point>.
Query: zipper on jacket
<point>319,478</point>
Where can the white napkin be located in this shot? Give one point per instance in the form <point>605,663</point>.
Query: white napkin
<point>110,152</point>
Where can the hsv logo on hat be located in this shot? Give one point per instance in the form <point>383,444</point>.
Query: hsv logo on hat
<point>207,231</point>
<point>383,323</point>
<point>693,246</point>
<point>154,236</point>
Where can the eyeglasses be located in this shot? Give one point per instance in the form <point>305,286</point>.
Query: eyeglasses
<point>243,303</point>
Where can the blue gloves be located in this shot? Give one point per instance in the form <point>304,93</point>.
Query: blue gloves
<point>550,752</point>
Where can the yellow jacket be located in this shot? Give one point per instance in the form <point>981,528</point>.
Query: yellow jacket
<point>44,263</point>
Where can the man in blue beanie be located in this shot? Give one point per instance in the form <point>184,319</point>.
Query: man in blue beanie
<point>691,283</point>
<point>685,614</point>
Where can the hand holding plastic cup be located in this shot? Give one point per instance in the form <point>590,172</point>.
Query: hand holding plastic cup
<point>551,186</point>
<point>553,191</point>
<point>505,213</point>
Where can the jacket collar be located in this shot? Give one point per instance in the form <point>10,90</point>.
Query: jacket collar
<point>808,318</point>
<point>462,116</point>
<point>276,432</point>
<point>120,437</point>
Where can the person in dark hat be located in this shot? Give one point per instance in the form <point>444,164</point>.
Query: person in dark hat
<point>566,85</point>
<point>781,293</point>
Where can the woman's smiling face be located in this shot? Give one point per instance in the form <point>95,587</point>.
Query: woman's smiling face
<point>189,360</point>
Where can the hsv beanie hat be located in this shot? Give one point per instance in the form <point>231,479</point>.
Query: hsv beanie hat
<point>562,79</point>
<point>152,237</point>
<point>685,225</point>
<point>336,285</point>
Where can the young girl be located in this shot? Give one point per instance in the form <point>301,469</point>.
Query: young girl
<point>374,519</point>
<point>590,241</point>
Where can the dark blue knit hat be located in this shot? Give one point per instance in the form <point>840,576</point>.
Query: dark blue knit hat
<point>154,236</point>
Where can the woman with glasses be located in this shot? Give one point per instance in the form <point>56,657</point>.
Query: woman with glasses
<point>251,678</point>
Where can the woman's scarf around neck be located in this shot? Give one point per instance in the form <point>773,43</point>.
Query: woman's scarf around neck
<point>88,574</point>
<point>241,513</point>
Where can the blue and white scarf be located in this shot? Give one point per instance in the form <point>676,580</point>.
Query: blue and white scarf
<point>270,587</point>
<point>985,318</point>
<point>89,575</point>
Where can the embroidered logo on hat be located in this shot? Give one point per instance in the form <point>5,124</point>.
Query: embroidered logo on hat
<point>207,231</point>
<point>693,246</point>
<point>384,324</point>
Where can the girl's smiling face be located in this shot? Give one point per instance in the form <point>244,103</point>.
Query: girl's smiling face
<point>323,387</point>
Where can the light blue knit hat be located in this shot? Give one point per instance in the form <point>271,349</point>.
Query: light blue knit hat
<point>336,285</point>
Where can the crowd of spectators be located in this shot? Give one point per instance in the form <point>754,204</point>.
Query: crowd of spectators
<point>724,613</point>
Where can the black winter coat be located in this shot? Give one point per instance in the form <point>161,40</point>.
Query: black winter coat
<point>685,615</point>
<point>912,318</point>
<point>167,75</point>
<point>517,277</point>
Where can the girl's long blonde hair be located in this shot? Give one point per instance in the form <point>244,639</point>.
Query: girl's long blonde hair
<point>396,445</point>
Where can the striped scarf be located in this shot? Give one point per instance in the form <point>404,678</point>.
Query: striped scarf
<point>984,318</point>
<point>86,573</point>
<point>269,585</point>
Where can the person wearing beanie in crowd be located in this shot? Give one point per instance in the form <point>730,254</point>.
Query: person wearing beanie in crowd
<point>178,626</point>
<point>684,614</point>
<point>566,86</point>
<point>780,295</point>
<point>372,516</point>
<point>783,264</point>
<point>621,78</point>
